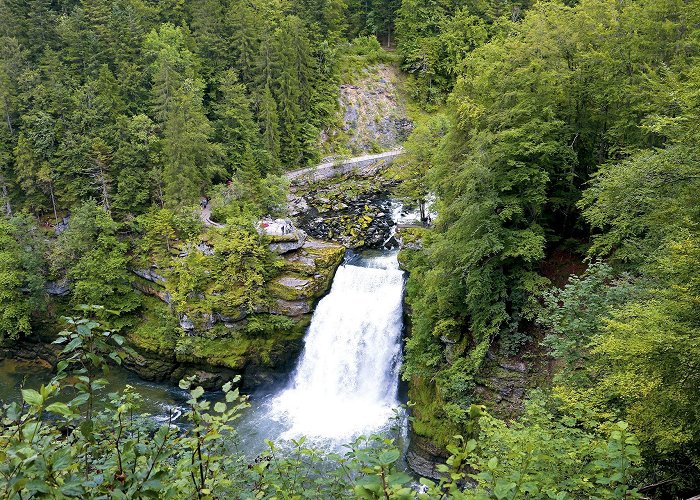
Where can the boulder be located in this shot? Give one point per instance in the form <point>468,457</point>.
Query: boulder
<point>291,307</point>
<point>284,236</point>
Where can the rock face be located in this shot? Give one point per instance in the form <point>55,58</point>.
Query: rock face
<point>261,345</point>
<point>57,288</point>
<point>374,116</point>
<point>423,457</point>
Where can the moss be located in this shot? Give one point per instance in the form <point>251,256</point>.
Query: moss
<point>227,352</point>
<point>429,418</point>
<point>280,290</point>
<point>298,266</point>
<point>326,256</point>
<point>412,235</point>
<point>158,329</point>
<point>239,349</point>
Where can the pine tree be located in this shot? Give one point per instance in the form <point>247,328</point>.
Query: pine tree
<point>235,126</point>
<point>269,127</point>
<point>92,256</point>
<point>21,275</point>
<point>190,159</point>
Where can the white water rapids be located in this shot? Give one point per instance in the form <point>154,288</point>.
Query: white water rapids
<point>347,378</point>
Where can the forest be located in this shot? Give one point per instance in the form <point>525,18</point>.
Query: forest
<point>558,138</point>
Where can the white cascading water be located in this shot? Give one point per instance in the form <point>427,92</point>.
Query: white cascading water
<point>347,378</point>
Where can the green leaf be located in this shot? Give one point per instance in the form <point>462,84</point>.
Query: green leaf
<point>389,456</point>
<point>220,407</point>
<point>398,478</point>
<point>60,409</point>
<point>61,460</point>
<point>37,486</point>
<point>197,392</point>
<point>73,345</point>
<point>72,489</point>
<point>32,397</point>
<point>503,488</point>
<point>86,427</point>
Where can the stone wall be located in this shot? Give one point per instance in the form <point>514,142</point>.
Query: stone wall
<point>363,166</point>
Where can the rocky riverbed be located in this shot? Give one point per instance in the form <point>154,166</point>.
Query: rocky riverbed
<point>352,211</point>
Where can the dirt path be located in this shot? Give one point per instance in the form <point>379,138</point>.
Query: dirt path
<point>205,215</point>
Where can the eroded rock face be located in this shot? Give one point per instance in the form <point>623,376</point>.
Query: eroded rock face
<point>57,288</point>
<point>423,457</point>
<point>374,116</point>
<point>262,345</point>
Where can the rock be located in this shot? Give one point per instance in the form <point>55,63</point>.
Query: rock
<point>61,226</point>
<point>285,237</point>
<point>275,227</point>
<point>57,288</point>
<point>43,354</point>
<point>205,249</point>
<point>296,205</point>
<point>291,307</point>
<point>423,457</point>
<point>148,274</point>
<point>230,321</point>
<point>283,247</point>
<point>149,366</point>
<point>186,324</point>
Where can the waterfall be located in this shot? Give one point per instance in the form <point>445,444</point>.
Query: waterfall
<point>347,378</point>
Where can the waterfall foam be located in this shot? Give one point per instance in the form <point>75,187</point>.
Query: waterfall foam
<point>346,381</point>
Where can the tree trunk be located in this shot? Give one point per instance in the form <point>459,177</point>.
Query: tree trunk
<point>53,202</point>
<point>7,115</point>
<point>5,196</point>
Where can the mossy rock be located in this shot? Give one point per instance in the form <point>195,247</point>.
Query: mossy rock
<point>299,264</point>
<point>158,330</point>
<point>227,352</point>
<point>326,255</point>
<point>238,350</point>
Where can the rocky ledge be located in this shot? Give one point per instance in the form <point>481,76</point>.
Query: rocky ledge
<point>261,345</point>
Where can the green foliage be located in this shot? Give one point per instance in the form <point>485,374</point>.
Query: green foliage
<point>160,229</point>
<point>434,36</point>
<point>637,349</point>
<point>230,280</point>
<point>412,168</point>
<point>571,89</point>
<point>541,456</point>
<point>21,275</point>
<point>93,257</point>
<point>189,156</point>
<point>643,201</point>
<point>362,52</point>
<point>575,314</point>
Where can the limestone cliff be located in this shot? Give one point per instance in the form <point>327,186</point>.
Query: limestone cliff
<point>262,344</point>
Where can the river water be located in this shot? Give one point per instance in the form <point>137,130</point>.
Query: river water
<point>346,380</point>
